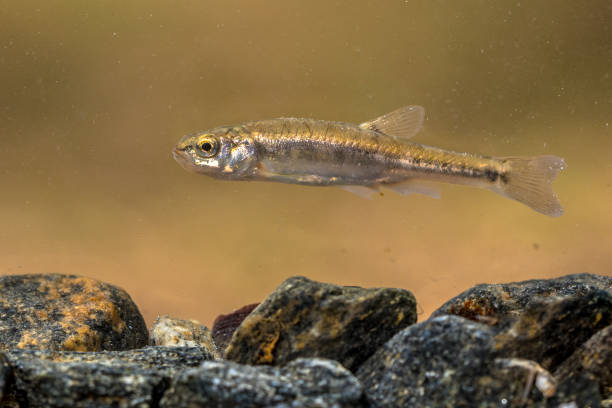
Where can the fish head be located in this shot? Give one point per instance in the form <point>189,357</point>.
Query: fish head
<point>219,153</point>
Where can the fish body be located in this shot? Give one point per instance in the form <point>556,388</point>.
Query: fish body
<point>362,158</point>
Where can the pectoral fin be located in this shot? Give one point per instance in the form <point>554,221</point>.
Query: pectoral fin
<point>402,123</point>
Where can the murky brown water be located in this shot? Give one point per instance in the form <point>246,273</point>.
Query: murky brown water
<point>94,94</point>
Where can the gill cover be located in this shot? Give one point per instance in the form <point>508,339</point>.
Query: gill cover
<point>241,158</point>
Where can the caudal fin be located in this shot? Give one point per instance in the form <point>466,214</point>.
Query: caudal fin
<point>529,181</point>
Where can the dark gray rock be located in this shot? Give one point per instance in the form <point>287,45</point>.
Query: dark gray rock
<point>6,375</point>
<point>550,330</point>
<point>135,378</point>
<point>593,360</point>
<point>450,361</point>
<point>529,384</point>
<point>67,312</point>
<point>491,303</point>
<point>576,391</point>
<point>302,318</point>
<point>434,363</point>
<point>302,383</point>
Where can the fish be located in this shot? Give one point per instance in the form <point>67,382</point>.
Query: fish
<point>363,158</point>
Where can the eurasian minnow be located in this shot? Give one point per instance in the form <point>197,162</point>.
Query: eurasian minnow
<point>362,158</point>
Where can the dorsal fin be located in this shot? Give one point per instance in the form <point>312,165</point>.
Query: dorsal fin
<point>402,123</point>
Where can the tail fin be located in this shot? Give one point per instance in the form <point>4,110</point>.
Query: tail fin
<point>529,181</point>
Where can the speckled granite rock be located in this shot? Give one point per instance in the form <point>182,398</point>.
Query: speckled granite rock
<point>67,312</point>
<point>550,330</point>
<point>594,360</point>
<point>171,332</point>
<point>434,363</point>
<point>490,303</point>
<point>226,324</point>
<point>450,361</point>
<point>303,318</point>
<point>304,383</point>
<point>135,378</point>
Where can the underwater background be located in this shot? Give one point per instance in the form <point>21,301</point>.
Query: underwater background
<point>93,96</point>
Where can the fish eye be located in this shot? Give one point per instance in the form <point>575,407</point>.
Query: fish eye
<point>207,146</point>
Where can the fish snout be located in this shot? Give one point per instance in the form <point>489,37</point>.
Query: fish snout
<point>181,156</point>
<point>177,153</point>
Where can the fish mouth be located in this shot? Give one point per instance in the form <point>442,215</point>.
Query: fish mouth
<point>183,159</point>
<point>178,154</point>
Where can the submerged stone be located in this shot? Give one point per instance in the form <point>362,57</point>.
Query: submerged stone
<point>549,331</point>
<point>450,361</point>
<point>303,318</point>
<point>593,360</point>
<point>172,332</point>
<point>490,303</point>
<point>303,383</point>
<point>67,312</point>
<point>134,378</point>
<point>226,324</point>
<point>6,375</point>
<point>434,363</point>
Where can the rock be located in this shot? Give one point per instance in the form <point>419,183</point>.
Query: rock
<point>67,312</point>
<point>172,332</point>
<point>576,391</point>
<point>533,386</point>
<point>102,379</point>
<point>550,330</point>
<point>225,325</point>
<point>592,359</point>
<point>301,383</point>
<point>490,303</point>
<point>434,363</point>
<point>302,318</point>
<point>5,377</point>
<point>451,361</point>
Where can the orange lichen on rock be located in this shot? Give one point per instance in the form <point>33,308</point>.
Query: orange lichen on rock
<point>265,333</point>
<point>28,339</point>
<point>473,309</point>
<point>265,353</point>
<point>66,312</point>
